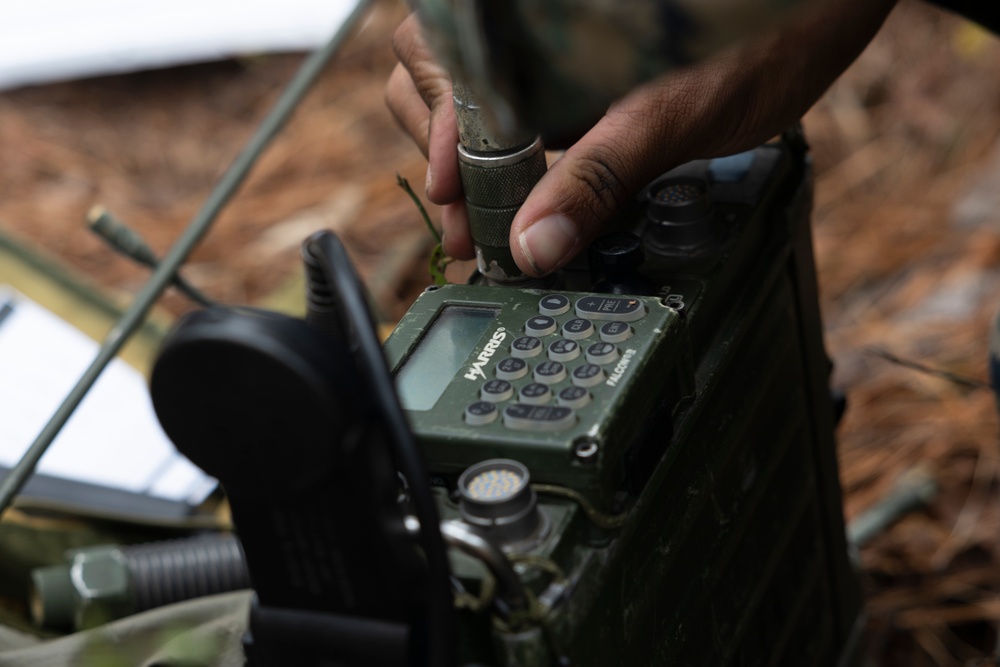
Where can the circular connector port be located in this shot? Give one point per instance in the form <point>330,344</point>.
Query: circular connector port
<point>679,200</point>
<point>681,217</point>
<point>496,496</point>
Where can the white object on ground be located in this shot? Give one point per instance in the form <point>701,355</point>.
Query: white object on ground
<point>42,41</point>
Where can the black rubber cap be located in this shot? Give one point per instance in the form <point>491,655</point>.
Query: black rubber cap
<point>256,399</point>
<point>615,259</point>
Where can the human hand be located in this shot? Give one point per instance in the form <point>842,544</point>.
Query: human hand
<point>729,103</point>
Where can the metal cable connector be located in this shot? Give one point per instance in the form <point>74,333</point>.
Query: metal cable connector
<point>498,172</point>
<point>103,583</point>
<point>129,243</point>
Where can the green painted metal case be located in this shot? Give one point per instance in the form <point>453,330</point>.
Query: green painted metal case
<point>641,374</point>
<point>716,449</point>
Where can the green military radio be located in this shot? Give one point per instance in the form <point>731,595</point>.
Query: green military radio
<point>632,464</point>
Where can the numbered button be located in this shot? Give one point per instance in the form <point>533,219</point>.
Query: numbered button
<point>512,368</point>
<point>496,391</point>
<point>550,372</point>
<point>564,350</point>
<point>481,413</point>
<point>610,308</point>
<point>578,329</point>
<point>525,347</point>
<point>553,304</point>
<point>602,353</point>
<point>523,417</point>
<point>540,325</point>
<point>588,375</point>
<point>535,393</point>
<point>573,397</point>
<point>615,332</point>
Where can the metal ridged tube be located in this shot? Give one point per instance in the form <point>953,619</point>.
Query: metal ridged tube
<point>498,173</point>
<point>106,582</point>
<point>166,572</point>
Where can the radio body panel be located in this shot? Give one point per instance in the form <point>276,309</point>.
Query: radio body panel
<point>715,443</point>
<point>626,379</point>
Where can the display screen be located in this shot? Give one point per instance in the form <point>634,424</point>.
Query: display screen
<point>440,354</point>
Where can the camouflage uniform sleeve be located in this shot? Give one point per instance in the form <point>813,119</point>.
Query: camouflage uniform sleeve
<point>203,631</point>
<point>558,64</point>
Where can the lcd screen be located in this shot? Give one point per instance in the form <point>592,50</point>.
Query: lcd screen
<point>440,354</point>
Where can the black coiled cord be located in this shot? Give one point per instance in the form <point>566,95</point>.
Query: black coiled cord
<point>337,306</point>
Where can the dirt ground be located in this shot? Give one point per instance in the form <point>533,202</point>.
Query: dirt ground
<point>907,228</point>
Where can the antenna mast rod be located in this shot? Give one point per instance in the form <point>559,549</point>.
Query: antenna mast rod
<point>163,276</point>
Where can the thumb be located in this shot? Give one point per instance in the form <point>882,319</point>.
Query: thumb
<point>723,105</point>
<point>580,194</point>
<point>644,134</point>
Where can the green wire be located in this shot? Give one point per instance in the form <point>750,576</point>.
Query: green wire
<point>598,518</point>
<point>405,184</point>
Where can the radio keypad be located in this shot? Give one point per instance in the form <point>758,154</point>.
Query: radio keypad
<point>578,329</point>
<point>564,350</point>
<point>550,372</point>
<point>523,417</point>
<point>543,402</point>
<point>496,391</point>
<point>535,393</point>
<point>588,375</point>
<point>481,413</point>
<point>525,347</point>
<point>615,332</point>
<point>512,368</point>
<point>602,353</point>
<point>573,397</point>
<point>599,307</point>
<point>540,325</point>
<point>553,304</point>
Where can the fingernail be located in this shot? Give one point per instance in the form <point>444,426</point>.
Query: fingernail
<point>429,181</point>
<point>547,243</point>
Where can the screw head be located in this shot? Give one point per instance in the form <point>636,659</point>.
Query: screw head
<point>586,449</point>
